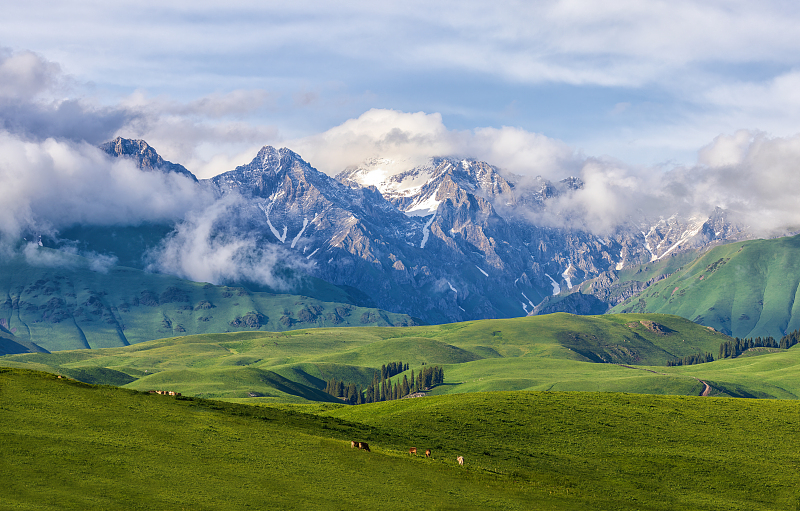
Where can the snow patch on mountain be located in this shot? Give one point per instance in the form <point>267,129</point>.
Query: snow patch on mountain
<point>566,275</point>
<point>300,234</point>
<point>305,224</point>
<point>281,238</point>
<point>529,300</point>
<point>426,232</point>
<point>653,256</point>
<point>556,287</point>
<point>424,207</point>
<point>481,270</point>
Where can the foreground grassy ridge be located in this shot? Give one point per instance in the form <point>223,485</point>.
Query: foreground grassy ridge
<point>746,289</point>
<point>72,446</point>
<point>535,353</point>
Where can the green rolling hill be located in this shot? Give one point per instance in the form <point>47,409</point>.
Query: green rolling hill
<point>555,352</point>
<point>745,289</point>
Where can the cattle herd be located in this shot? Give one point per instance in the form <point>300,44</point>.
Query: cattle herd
<point>412,450</point>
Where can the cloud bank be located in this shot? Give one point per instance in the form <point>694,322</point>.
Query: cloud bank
<point>412,138</point>
<point>207,246</point>
<point>53,175</point>
<point>52,184</point>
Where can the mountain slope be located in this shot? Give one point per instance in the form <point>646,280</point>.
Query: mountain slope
<point>745,289</point>
<point>503,225</point>
<point>355,237</point>
<point>63,304</point>
<point>144,156</point>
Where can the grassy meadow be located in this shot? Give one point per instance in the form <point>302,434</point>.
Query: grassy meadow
<point>554,352</point>
<point>69,445</point>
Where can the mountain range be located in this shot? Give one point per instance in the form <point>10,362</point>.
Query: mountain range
<point>449,240</point>
<point>453,239</point>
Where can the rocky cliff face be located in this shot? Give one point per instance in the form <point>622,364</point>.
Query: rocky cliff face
<point>145,157</point>
<point>479,218</point>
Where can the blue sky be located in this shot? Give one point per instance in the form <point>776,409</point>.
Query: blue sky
<point>207,83</point>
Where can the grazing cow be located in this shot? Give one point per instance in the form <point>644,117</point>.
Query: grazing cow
<point>413,451</point>
<point>364,445</point>
<point>352,444</point>
<point>460,460</point>
<point>427,453</point>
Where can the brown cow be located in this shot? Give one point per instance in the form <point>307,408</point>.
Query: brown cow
<point>460,460</point>
<point>427,453</point>
<point>364,445</point>
<point>413,451</point>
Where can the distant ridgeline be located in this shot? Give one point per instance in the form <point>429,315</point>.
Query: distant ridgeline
<point>382,388</point>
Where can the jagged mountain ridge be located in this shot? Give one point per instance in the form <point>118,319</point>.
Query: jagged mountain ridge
<point>352,235</point>
<point>450,240</point>
<point>561,257</point>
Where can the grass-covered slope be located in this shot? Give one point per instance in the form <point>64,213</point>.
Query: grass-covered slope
<point>559,351</point>
<point>68,445</point>
<point>745,289</point>
<point>61,303</point>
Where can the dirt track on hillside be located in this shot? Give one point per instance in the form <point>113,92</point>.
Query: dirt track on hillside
<point>706,387</point>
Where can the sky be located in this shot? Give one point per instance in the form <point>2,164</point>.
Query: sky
<point>207,82</point>
<point>658,106</point>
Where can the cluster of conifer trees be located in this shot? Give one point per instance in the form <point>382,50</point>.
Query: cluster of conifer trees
<point>382,388</point>
<point>736,347</point>
<point>697,358</point>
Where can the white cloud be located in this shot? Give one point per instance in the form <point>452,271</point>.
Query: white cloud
<point>66,257</point>
<point>750,174</point>
<point>52,184</point>
<point>25,74</point>
<point>207,247</point>
<point>412,138</point>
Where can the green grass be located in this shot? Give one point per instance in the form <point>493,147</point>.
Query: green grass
<point>555,352</point>
<point>67,445</point>
<point>746,289</point>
